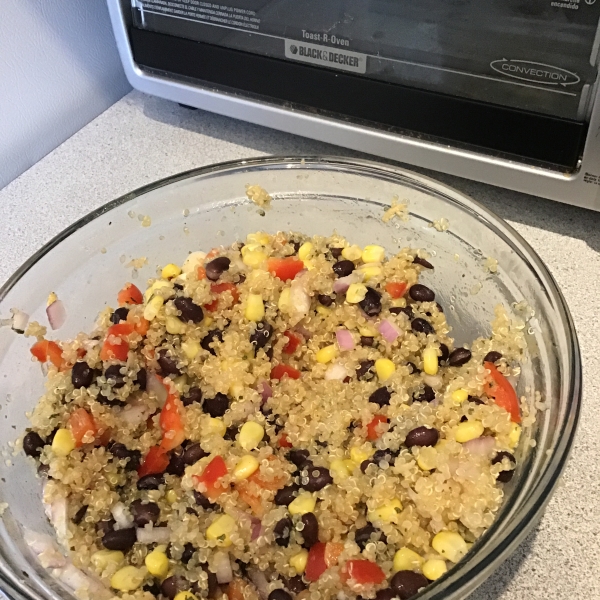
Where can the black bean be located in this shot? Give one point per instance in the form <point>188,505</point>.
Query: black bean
<point>105,526</point>
<point>282,530</point>
<point>421,261</point>
<point>82,375</point>
<point>318,478</point>
<point>419,325</point>
<point>298,457</point>
<point>193,453</point>
<point>190,311</point>
<point>188,552</point>
<point>120,539</point>
<point>262,335</point>
<point>211,338</point>
<point>421,293</point>
<point>365,534</point>
<point>405,310</point>
<point>119,315</point>
<point>217,406</point>
<point>194,395</point>
<point>279,594</point>
<point>231,432</point>
<point>114,377</point>
<point>310,533</point>
<point>79,515</point>
<point>407,584</point>
<point>295,584</point>
<point>412,368</point>
<point>142,378</point>
<point>171,586</point>
<point>364,370</point>
<point>444,354</point>
<point>504,476</point>
<point>343,268</point>
<point>427,395</point>
<point>336,252</point>
<point>33,444</point>
<point>381,455</point>
<point>167,364</point>
<point>203,501</point>
<point>475,400</point>
<point>216,267</point>
<point>365,464</point>
<point>286,494</point>
<point>152,588</point>
<point>144,513</point>
<point>121,452</point>
<point>386,594</point>
<point>296,245</point>
<point>102,399</point>
<point>381,396</point>
<point>176,463</point>
<point>325,300</point>
<point>492,357</point>
<point>459,357</point>
<point>371,303</point>
<point>150,482</point>
<point>439,307</point>
<point>422,436</point>
<point>366,341</point>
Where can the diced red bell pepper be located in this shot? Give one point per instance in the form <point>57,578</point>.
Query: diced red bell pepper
<point>211,476</point>
<point>285,268</point>
<point>220,288</point>
<point>81,424</point>
<point>156,461</point>
<point>115,347</point>
<point>46,350</point>
<point>332,553</point>
<point>278,371</point>
<point>130,294</point>
<point>235,590</point>
<point>363,572</point>
<point>396,289</point>
<point>170,423</point>
<point>201,273</point>
<point>320,557</point>
<point>503,393</point>
<point>294,341</point>
<point>372,433</point>
<point>254,501</point>
<point>284,442</point>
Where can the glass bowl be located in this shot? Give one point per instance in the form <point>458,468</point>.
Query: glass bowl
<point>88,262</point>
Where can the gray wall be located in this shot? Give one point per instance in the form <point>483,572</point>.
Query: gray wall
<point>59,68</point>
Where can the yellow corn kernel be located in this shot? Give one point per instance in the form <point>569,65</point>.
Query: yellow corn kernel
<point>434,568</point>
<point>459,396</point>
<point>255,308</point>
<point>63,442</point>
<point>157,562</point>
<point>388,512</point>
<point>169,271</point>
<point>157,285</point>
<point>360,453</point>
<point>245,467</point>
<point>514,436</point>
<point>260,237</point>
<point>469,430</point>
<point>174,325</point>
<point>450,545</point>
<point>430,361</point>
<point>190,348</point>
<point>153,307</point>
<point>52,298</point>
<point>367,331</point>
<point>171,496</point>
<point>373,253</point>
<point>127,579</point>
<point>253,257</point>
<point>399,302</point>
<point>352,252</point>
<point>339,469</point>
<point>370,271</point>
<point>284,304</point>
<point>327,354</point>
<point>236,390</point>
<point>356,293</point>
<point>350,465</point>
<point>186,595</point>
<point>427,459</point>
<point>103,558</point>
<point>251,434</point>
<point>406,559</point>
<point>324,312</point>
<point>384,368</point>
<point>303,503</point>
<point>180,382</point>
<point>217,426</point>
<point>305,251</point>
<point>220,530</point>
<point>298,561</point>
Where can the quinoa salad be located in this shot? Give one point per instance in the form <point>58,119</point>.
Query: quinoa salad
<point>284,418</point>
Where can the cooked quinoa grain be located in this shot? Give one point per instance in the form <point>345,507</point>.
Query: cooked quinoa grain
<point>284,417</point>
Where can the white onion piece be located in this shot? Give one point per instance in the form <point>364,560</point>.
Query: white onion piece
<point>344,339</point>
<point>481,446</point>
<point>257,529</point>
<point>336,371</point>
<point>299,274</point>
<point>136,412</point>
<point>19,320</point>
<point>56,314</point>
<point>153,535</point>
<point>222,566</point>
<point>155,386</point>
<point>388,330</point>
<point>122,516</point>
<point>192,262</point>
<point>299,298</point>
<point>341,285</point>
<point>265,390</point>
<point>258,578</point>
<point>433,381</point>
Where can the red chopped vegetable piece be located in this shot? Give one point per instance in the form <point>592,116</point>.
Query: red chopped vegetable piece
<point>210,478</point>
<point>284,442</point>
<point>503,393</point>
<point>316,565</point>
<point>294,340</point>
<point>285,268</point>
<point>278,371</point>
<point>363,572</point>
<point>396,289</point>
<point>170,423</point>
<point>114,346</point>
<point>130,294</point>
<point>372,433</point>
<point>156,461</point>
<point>46,350</point>
<point>81,423</point>
<point>220,288</point>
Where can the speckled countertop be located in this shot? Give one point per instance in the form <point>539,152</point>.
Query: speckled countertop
<point>141,139</point>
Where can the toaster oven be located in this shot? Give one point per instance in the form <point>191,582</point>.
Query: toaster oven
<point>500,91</point>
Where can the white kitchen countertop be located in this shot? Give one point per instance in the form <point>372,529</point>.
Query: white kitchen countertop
<point>141,139</point>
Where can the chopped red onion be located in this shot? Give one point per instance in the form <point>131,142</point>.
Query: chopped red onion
<point>344,339</point>
<point>388,330</point>
<point>153,535</point>
<point>265,390</point>
<point>341,285</point>
<point>299,298</point>
<point>57,314</point>
<point>257,529</point>
<point>222,566</point>
<point>480,446</point>
<point>336,371</point>
<point>155,386</point>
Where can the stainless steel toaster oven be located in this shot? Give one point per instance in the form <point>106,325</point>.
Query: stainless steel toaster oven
<point>500,91</point>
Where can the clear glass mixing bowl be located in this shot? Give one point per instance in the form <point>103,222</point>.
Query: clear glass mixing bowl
<point>87,264</point>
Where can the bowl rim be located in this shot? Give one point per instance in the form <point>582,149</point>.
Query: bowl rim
<point>528,515</point>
